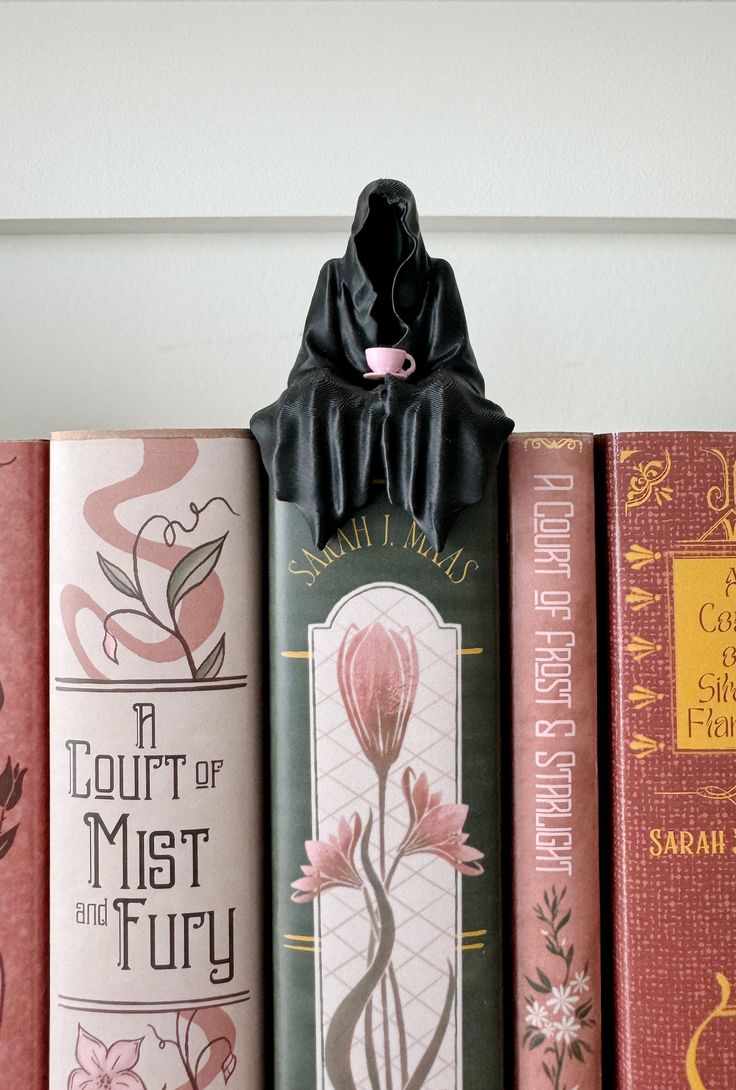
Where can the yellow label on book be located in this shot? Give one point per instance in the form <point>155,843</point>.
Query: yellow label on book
<point>705,652</point>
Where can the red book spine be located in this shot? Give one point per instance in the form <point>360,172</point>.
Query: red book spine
<point>23,765</point>
<point>556,901</point>
<point>671,524</point>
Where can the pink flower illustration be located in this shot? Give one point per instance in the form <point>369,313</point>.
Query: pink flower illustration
<point>436,828</point>
<point>330,863</point>
<point>102,1068</point>
<point>378,671</point>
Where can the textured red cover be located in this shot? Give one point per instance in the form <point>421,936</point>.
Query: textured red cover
<point>23,765</point>
<point>554,759</point>
<point>672,571</point>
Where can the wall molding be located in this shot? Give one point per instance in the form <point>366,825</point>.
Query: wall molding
<point>176,225</point>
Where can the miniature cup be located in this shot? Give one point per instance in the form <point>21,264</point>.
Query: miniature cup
<point>389,361</point>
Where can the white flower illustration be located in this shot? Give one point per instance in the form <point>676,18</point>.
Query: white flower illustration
<point>567,1029</point>
<point>562,1000</point>
<point>581,983</point>
<point>536,1015</point>
<point>564,1014</point>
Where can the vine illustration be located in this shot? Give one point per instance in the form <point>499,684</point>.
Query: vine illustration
<point>190,572</point>
<point>562,1036</point>
<point>183,1044</point>
<point>378,675</point>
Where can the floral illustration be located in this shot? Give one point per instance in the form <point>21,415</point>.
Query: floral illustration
<point>11,790</point>
<point>102,1068</point>
<point>557,1023</point>
<point>378,676</point>
<point>435,828</point>
<point>331,864</point>
<point>190,572</point>
<point>200,1063</point>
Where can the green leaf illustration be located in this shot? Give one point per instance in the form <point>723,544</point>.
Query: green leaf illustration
<point>536,1040</point>
<point>212,664</point>
<point>545,989</point>
<point>192,570</point>
<point>423,1068</point>
<point>584,1010</point>
<point>119,579</point>
<point>576,1051</point>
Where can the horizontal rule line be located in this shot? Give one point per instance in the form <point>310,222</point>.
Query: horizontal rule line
<point>141,680</point>
<point>210,1005</point>
<point>152,1002</point>
<point>151,688</point>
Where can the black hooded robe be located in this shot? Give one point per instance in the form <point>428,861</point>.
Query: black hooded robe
<point>433,436</point>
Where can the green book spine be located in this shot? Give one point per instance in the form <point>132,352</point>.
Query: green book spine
<point>385,803</point>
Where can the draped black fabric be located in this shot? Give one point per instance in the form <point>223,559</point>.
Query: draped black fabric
<point>432,436</point>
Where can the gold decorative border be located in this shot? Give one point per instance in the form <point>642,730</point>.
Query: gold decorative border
<point>648,480</point>
<point>558,442</point>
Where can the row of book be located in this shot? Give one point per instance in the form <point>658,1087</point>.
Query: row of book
<point>409,880</point>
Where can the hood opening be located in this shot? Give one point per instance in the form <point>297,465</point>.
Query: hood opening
<point>383,245</point>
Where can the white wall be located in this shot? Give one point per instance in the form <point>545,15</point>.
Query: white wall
<point>172,174</point>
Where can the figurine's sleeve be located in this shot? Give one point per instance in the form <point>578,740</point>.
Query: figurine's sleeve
<point>448,344</point>
<point>321,340</point>
<point>441,437</point>
<point>318,441</point>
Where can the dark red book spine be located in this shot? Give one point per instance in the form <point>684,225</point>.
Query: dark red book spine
<point>23,765</point>
<point>671,534</point>
<point>555,925</point>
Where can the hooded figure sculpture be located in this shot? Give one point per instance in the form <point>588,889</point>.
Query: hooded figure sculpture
<point>431,435</point>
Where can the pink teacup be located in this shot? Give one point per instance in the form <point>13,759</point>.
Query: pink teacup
<point>388,361</point>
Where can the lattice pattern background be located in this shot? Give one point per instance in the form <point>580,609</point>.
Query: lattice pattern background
<point>425,892</point>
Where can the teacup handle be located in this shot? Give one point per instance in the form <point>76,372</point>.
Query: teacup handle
<point>412,365</point>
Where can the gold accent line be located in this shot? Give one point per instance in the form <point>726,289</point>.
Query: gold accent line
<point>304,949</point>
<point>302,938</point>
<point>296,654</point>
<point>471,651</point>
<point>378,480</point>
<point>473,934</point>
<point>472,946</point>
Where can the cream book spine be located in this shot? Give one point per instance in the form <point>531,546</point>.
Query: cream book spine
<point>155,761</point>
